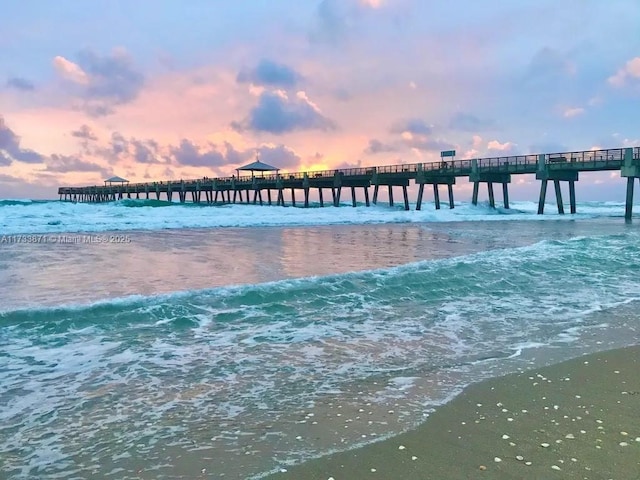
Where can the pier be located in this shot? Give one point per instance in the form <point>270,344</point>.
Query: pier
<point>555,167</point>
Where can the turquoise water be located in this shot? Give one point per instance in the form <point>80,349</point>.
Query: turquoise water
<point>228,352</point>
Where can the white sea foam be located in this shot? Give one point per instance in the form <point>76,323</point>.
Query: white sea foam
<point>259,358</point>
<point>64,217</point>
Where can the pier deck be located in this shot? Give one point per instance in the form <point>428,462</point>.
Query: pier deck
<point>558,167</point>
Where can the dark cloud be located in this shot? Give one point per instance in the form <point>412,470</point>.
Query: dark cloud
<point>111,77</point>
<point>101,81</point>
<point>376,146</point>
<point>467,122</point>
<point>121,148</point>
<point>330,22</point>
<point>421,135</point>
<point>271,74</point>
<point>97,108</point>
<point>279,114</point>
<point>336,21</point>
<point>236,157</point>
<point>144,152</point>
<point>20,84</point>
<point>10,147</point>
<point>414,126</point>
<point>66,164</point>
<point>279,156</point>
<point>430,145</point>
<point>118,144</point>
<point>85,133</point>
<point>189,154</point>
<point>346,165</point>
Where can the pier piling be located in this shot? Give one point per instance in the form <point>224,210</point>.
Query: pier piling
<point>558,167</point>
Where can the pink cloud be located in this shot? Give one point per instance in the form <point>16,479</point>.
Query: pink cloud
<point>573,112</point>
<point>629,72</point>
<point>70,71</point>
<point>501,147</point>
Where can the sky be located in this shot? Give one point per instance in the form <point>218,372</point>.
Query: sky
<point>166,89</point>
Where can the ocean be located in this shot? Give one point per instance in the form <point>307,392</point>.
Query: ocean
<point>142,339</point>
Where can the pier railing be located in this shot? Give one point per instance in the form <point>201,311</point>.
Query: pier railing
<point>601,159</point>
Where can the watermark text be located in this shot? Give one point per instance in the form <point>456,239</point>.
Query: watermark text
<point>61,238</point>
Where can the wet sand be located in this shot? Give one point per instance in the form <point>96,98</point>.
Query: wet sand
<point>575,420</point>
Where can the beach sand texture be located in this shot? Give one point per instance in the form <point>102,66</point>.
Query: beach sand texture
<point>575,420</point>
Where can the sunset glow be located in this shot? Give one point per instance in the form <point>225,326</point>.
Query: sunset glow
<point>180,90</point>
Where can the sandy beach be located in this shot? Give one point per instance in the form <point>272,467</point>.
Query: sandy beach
<point>575,420</point>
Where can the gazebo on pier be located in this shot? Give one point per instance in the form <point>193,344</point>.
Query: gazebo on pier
<point>117,180</point>
<point>257,166</point>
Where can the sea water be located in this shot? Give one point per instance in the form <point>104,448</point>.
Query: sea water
<point>141,339</point>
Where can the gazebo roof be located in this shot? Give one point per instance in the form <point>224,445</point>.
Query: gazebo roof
<point>259,166</point>
<point>116,179</point>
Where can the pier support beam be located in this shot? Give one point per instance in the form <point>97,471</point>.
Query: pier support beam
<point>321,197</point>
<point>556,186</point>
<point>557,176</point>
<point>406,197</point>
<point>390,196</point>
<point>630,169</point>
<point>366,196</point>
<point>492,200</point>
<point>427,178</point>
<point>489,178</point>
<point>572,196</point>
<point>505,194</point>
<point>353,196</point>
<point>543,196</point>
<point>420,193</point>
<point>628,208</point>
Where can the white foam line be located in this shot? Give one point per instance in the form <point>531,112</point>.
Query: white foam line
<point>65,217</point>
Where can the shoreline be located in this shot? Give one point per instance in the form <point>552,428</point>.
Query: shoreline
<point>576,419</point>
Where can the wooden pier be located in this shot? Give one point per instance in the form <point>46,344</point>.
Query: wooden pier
<point>556,167</point>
